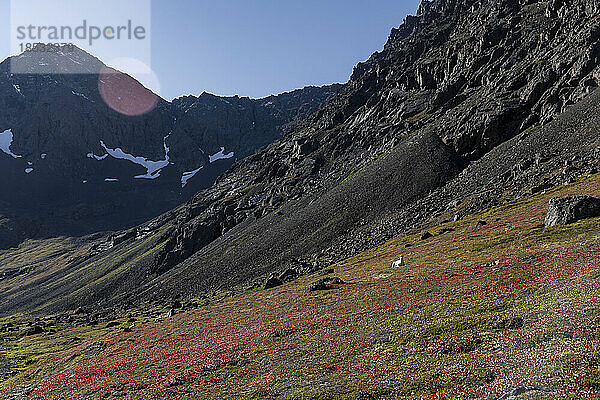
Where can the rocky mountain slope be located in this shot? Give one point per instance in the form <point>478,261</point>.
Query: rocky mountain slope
<point>97,151</point>
<point>454,115</point>
<point>445,149</point>
<point>452,83</point>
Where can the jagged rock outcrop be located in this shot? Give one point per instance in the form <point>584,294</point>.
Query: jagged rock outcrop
<point>566,210</point>
<point>241,124</point>
<point>475,73</point>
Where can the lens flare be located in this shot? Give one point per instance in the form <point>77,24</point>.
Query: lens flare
<point>123,93</point>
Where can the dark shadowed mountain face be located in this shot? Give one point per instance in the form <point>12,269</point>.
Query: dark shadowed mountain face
<point>82,153</point>
<point>455,114</point>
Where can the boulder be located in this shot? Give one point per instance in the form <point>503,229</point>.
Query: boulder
<point>566,210</point>
<point>272,282</point>
<point>324,284</point>
<point>510,323</point>
<point>426,236</point>
<point>176,304</point>
<point>34,330</point>
<point>289,275</point>
<point>112,324</point>
<point>79,310</point>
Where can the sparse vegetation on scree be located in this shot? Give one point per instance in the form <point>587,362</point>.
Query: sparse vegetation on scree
<point>475,313</point>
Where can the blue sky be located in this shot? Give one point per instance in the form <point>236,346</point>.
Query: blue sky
<point>259,47</point>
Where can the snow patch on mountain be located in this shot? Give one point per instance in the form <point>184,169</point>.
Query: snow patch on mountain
<point>99,158</point>
<point>6,139</point>
<point>80,95</point>
<point>152,167</point>
<point>188,175</point>
<point>72,59</point>
<point>220,155</point>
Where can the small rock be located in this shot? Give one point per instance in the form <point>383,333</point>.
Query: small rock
<point>289,275</point>
<point>454,204</point>
<point>426,236</point>
<point>272,282</point>
<point>567,210</point>
<point>93,349</point>
<point>324,284</point>
<point>521,390</point>
<point>492,264</point>
<point>34,330</point>
<point>480,224</point>
<point>511,323</point>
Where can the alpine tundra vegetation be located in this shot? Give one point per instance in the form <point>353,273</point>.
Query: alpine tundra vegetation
<point>427,230</point>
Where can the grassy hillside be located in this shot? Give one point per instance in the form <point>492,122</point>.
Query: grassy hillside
<point>43,276</point>
<point>476,312</point>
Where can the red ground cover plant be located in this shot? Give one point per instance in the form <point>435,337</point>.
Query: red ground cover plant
<point>455,323</point>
